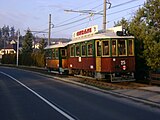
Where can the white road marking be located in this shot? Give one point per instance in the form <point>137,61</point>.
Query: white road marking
<point>42,98</point>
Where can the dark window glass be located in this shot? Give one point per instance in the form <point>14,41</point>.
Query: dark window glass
<point>83,49</point>
<point>77,50</point>
<point>90,50</point>
<point>114,48</point>
<point>105,47</point>
<point>98,48</point>
<point>53,53</point>
<point>56,53</point>
<point>121,47</point>
<point>63,52</point>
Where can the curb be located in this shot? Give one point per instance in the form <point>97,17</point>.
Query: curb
<point>148,102</point>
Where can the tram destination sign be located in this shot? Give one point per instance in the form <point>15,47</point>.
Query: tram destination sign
<point>85,32</point>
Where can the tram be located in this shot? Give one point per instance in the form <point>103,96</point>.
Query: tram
<point>105,55</point>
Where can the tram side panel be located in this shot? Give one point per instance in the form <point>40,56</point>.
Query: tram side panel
<point>116,64</point>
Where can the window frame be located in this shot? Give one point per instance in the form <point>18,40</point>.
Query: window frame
<point>72,54</point>
<point>83,44</point>
<point>100,45</point>
<point>102,48</point>
<point>119,47</point>
<point>65,52</point>
<point>56,53</point>
<point>115,46</point>
<point>89,43</point>
<point>77,45</point>
<point>132,47</point>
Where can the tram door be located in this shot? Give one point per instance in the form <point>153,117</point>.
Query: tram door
<point>98,55</point>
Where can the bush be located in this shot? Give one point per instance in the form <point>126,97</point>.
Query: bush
<point>9,59</point>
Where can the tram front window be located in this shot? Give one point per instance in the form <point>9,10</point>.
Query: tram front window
<point>122,47</point>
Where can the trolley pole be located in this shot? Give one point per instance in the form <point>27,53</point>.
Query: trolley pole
<point>104,15</point>
<point>49,31</point>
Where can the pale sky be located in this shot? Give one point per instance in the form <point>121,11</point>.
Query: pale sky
<point>34,14</point>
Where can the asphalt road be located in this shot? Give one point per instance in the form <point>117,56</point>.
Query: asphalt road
<point>30,96</point>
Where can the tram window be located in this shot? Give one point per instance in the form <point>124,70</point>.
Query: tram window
<point>83,49</point>
<point>98,48</point>
<point>90,51</point>
<point>121,47</point>
<point>105,47</point>
<point>72,51</point>
<point>53,53</point>
<point>77,50</point>
<point>63,52</point>
<point>114,48</point>
<point>48,54</point>
<point>56,53</point>
<point>130,47</point>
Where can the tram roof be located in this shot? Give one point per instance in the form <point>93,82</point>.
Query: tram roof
<point>59,45</point>
<point>108,34</point>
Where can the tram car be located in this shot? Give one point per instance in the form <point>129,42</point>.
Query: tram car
<point>56,58</point>
<point>105,55</point>
<point>102,55</point>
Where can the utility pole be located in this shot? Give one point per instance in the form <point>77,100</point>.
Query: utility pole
<point>18,46</point>
<point>104,15</point>
<point>49,31</point>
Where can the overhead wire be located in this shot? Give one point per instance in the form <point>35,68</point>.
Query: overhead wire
<point>75,20</point>
<point>100,17</point>
<point>79,15</point>
<point>84,18</point>
<point>61,25</point>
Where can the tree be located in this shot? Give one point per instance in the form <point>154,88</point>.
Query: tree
<point>146,28</point>
<point>42,45</point>
<point>27,43</point>
<point>152,38</point>
<point>123,22</point>
<point>12,32</point>
<point>27,49</point>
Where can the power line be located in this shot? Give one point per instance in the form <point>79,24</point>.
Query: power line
<point>87,22</point>
<point>123,3</point>
<point>61,25</point>
<point>79,15</point>
<point>124,9</point>
<point>86,18</point>
<point>70,22</point>
<point>76,17</point>
<point>101,17</point>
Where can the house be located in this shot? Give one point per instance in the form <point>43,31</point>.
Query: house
<point>9,49</point>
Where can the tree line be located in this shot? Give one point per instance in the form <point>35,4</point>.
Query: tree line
<point>28,55</point>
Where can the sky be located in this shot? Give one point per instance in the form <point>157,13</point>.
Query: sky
<point>34,15</point>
